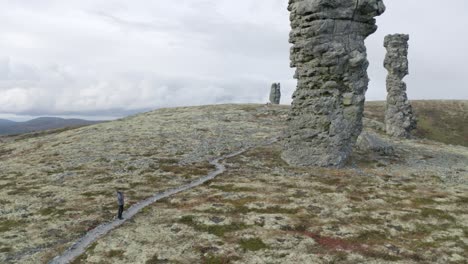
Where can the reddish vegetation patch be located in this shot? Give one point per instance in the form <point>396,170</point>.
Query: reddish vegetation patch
<point>335,244</point>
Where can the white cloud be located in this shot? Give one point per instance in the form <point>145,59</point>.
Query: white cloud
<point>114,57</point>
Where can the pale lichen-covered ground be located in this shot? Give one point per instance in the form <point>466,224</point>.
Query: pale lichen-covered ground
<point>56,186</point>
<point>409,208</point>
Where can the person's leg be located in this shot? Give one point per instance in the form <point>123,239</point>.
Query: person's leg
<point>120,211</point>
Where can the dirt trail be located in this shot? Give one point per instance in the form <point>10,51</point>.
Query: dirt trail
<point>80,245</point>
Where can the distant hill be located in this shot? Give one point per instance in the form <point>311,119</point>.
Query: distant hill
<point>6,122</point>
<point>8,127</point>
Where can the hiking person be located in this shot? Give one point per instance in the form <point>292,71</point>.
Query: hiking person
<point>120,200</point>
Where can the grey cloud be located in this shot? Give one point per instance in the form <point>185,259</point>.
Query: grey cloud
<point>112,58</point>
<point>129,93</point>
<point>246,39</point>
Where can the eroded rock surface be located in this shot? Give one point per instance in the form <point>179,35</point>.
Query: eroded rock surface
<point>372,142</point>
<point>331,67</point>
<point>399,117</point>
<point>275,93</point>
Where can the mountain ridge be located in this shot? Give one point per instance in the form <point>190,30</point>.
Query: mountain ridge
<point>9,127</point>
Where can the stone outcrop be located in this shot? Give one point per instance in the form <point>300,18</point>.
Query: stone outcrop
<point>399,117</point>
<point>371,142</point>
<point>275,93</point>
<point>331,67</point>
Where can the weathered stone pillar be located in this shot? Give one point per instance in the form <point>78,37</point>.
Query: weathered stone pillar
<point>275,93</point>
<point>399,117</point>
<point>331,67</point>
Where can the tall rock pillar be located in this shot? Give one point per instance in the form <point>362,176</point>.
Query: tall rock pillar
<point>399,117</point>
<point>275,93</point>
<point>331,68</point>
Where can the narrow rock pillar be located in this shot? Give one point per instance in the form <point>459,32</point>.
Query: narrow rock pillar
<point>399,117</point>
<point>275,93</point>
<point>330,58</point>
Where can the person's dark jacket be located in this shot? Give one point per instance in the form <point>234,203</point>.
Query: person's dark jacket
<point>120,198</point>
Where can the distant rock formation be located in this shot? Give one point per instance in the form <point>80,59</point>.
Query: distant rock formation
<point>275,93</point>
<point>399,117</point>
<point>331,67</point>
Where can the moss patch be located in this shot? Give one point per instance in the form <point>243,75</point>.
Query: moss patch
<point>436,213</point>
<point>115,253</point>
<point>7,225</point>
<point>231,188</point>
<point>218,230</point>
<point>252,244</point>
<point>187,171</point>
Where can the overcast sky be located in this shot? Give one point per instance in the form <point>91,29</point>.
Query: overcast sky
<point>109,58</point>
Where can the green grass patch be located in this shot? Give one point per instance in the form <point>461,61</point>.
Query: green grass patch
<point>187,220</point>
<point>324,190</point>
<point>274,210</point>
<point>241,208</point>
<point>83,259</point>
<point>370,236</point>
<point>104,180</point>
<point>6,250</point>
<point>366,220</point>
<point>92,247</point>
<point>4,152</point>
<point>252,244</point>
<point>382,255</point>
<point>96,193</point>
<point>271,157</point>
<point>436,213</point>
<point>231,188</point>
<point>7,185</point>
<point>7,225</point>
<point>22,190</point>
<point>52,211</point>
<point>463,200</point>
<point>423,230</point>
<point>156,260</point>
<point>115,253</point>
<point>216,259</point>
<point>132,168</point>
<point>218,230</point>
<point>187,171</point>
<point>168,161</point>
<point>328,180</point>
<point>409,188</point>
<point>422,201</point>
<point>4,202</point>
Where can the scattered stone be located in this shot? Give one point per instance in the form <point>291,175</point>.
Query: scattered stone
<point>399,117</point>
<point>216,219</point>
<point>373,124</point>
<point>275,93</point>
<point>331,67</point>
<point>369,141</point>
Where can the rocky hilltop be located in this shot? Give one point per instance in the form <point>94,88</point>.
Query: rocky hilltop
<point>404,206</point>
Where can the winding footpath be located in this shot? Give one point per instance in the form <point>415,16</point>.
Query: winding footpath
<point>79,247</point>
